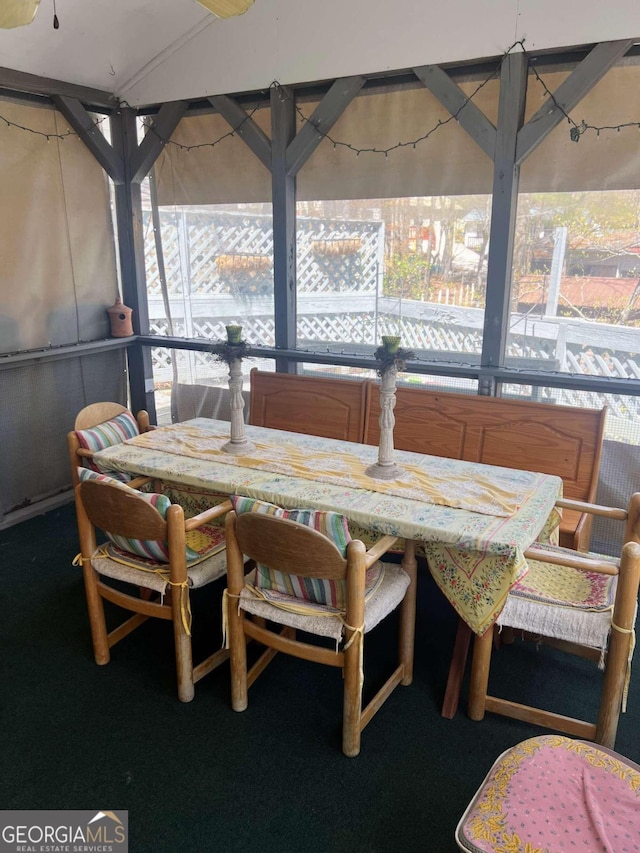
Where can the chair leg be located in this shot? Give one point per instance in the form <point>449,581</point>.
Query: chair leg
<point>619,642</point>
<point>480,674</point>
<point>184,660</point>
<point>352,705</point>
<point>456,670</point>
<point>97,623</point>
<point>238,658</point>
<point>408,614</point>
<point>613,689</point>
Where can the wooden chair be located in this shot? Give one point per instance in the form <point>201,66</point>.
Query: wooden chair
<point>90,418</point>
<point>587,628</point>
<point>162,589</point>
<point>299,550</point>
<point>316,405</point>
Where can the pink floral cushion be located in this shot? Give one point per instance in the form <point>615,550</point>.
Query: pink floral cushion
<point>552,793</point>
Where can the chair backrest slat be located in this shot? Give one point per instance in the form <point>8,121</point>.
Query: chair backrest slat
<point>288,546</point>
<point>111,508</point>
<point>98,413</point>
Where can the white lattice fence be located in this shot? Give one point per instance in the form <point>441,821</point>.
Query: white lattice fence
<point>171,254</point>
<point>524,346</point>
<point>600,362</point>
<point>339,257</point>
<point>428,335</point>
<point>337,328</point>
<point>199,249</point>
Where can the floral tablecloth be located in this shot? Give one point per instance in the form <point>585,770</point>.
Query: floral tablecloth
<point>473,521</point>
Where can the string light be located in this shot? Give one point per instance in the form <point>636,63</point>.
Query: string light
<point>43,133</point>
<point>576,129</point>
<point>413,143</point>
<point>575,132</point>
<point>187,148</point>
<point>282,94</point>
<point>472,368</point>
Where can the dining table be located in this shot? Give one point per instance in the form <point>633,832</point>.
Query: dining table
<point>472,522</point>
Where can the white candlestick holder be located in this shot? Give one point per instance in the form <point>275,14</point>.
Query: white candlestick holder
<point>239,443</point>
<point>385,468</point>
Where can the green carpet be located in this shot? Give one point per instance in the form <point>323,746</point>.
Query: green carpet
<point>199,777</point>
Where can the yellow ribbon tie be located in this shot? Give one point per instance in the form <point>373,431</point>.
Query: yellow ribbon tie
<point>185,604</point>
<point>357,635</point>
<point>627,676</point>
<point>79,560</point>
<point>225,618</point>
<point>185,601</point>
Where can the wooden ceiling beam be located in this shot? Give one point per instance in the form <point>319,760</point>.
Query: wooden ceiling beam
<point>156,137</point>
<point>85,126</point>
<point>244,127</point>
<point>466,113</point>
<point>19,81</point>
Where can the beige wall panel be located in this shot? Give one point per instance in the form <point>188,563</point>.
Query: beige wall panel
<point>92,243</point>
<point>447,162</point>
<point>608,161</point>
<point>56,249</point>
<point>212,174</point>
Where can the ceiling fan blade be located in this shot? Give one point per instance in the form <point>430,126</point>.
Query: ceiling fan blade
<point>17,13</point>
<point>226,8</point>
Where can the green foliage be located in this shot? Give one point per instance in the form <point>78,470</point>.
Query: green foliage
<point>407,276</point>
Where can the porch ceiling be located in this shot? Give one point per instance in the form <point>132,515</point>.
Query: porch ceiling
<point>151,51</point>
<point>101,43</point>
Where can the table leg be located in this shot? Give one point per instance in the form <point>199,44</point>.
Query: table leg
<point>408,613</point>
<point>480,674</point>
<point>456,670</point>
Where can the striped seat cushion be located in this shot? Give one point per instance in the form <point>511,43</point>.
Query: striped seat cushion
<point>207,541</point>
<point>200,544</point>
<point>329,592</point>
<point>114,431</point>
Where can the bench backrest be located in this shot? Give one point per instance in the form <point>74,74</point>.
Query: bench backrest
<point>530,436</point>
<point>315,405</point>
<point>521,434</point>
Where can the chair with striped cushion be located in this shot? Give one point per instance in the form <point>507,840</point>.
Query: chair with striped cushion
<point>157,554</point>
<point>310,576</point>
<point>98,426</point>
<point>584,604</point>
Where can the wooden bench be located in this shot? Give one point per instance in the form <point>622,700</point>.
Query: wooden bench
<point>559,440</point>
<point>315,405</point>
